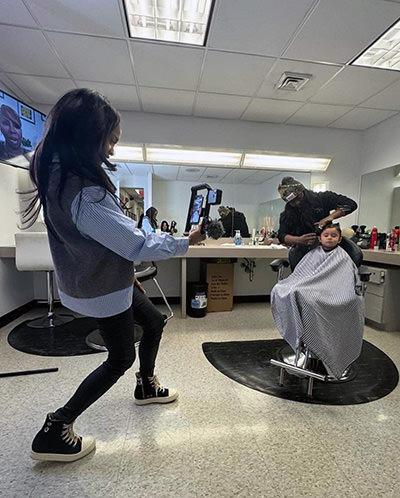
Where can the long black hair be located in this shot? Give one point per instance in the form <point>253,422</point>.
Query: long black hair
<point>75,136</point>
<point>151,215</point>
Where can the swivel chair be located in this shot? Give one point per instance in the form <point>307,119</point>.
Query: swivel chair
<point>33,254</point>
<point>303,362</point>
<point>143,271</point>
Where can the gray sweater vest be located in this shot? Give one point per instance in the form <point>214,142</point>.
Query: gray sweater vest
<point>83,267</point>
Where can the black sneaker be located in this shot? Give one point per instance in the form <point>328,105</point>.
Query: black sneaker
<point>57,442</point>
<point>148,390</point>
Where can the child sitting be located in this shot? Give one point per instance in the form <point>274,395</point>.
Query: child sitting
<point>330,236</point>
<point>318,305</point>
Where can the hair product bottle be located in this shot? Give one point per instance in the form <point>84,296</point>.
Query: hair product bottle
<point>374,238</point>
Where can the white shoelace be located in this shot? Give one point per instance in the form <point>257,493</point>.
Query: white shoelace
<point>69,435</point>
<point>157,385</point>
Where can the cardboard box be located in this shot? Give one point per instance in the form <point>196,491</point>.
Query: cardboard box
<point>219,277</point>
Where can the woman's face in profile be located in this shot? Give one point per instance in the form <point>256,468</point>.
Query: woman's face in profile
<point>112,141</point>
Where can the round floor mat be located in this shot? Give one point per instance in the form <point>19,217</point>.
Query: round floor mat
<point>247,362</point>
<point>64,340</point>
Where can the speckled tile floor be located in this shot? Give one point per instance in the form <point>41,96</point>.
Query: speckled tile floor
<point>220,439</point>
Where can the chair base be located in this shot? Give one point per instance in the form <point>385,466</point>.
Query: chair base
<point>50,321</point>
<point>288,356</point>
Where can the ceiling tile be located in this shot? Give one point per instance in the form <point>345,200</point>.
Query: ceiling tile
<point>353,85</point>
<point>317,114</point>
<point>321,73</point>
<point>101,17</point>
<point>7,85</point>
<point>131,169</point>
<point>238,175</point>
<point>258,177</point>
<point>189,176</point>
<point>271,111</point>
<point>211,175</point>
<point>237,74</point>
<point>165,172</point>
<point>43,90</point>
<point>91,58</point>
<point>261,27</point>
<point>123,97</point>
<point>27,51</point>
<point>167,66</point>
<point>387,99</point>
<point>167,101</point>
<point>215,105</point>
<point>15,12</point>
<point>361,119</point>
<point>339,30</point>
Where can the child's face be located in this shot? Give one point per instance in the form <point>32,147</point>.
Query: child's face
<point>330,238</point>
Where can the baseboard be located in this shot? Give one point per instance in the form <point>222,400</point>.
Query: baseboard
<point>12,315</point>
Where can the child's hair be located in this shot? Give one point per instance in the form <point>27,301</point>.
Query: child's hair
<point>332,225</point>
<point>76,132</point>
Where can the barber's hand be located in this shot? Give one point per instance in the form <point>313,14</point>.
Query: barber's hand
<point>308,239</point>
<point>139,286</point>
<point>324,221</point>
<point>195,236</point>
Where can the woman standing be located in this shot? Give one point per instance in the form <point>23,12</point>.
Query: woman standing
<point>93,245</point>
<point>148,221</point>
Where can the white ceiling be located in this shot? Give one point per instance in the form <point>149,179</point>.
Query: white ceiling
<point>48,48</point>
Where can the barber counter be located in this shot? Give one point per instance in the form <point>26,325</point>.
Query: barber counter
<point>382,291</point>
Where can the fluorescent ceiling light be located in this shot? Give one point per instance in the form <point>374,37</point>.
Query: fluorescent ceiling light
<point>190,156</point>
<point>284,162</point>
<point>178,21</point>
<point>384,53</point>
<point>127,153</point>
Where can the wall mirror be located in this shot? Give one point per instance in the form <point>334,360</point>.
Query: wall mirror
<point>380,199</point>
<point>250,191</point>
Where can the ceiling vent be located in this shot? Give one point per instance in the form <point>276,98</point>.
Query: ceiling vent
<point>292,82</point>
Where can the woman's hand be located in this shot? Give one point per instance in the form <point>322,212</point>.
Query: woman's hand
<point>195,236</point>
<point>139,286</point>
<point>308,239</point>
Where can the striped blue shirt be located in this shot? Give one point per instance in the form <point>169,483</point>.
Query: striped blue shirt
<point>100,218</point>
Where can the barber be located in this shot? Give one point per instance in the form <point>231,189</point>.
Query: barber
<point>306,212</point>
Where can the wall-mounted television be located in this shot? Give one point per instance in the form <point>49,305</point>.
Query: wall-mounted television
<point>21,128</point>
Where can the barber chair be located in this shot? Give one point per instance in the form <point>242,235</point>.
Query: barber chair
<point>143,271</point>
<point>303,362</point>
<point>33,254</point>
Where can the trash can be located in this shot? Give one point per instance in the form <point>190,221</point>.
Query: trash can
<point>197,299</point>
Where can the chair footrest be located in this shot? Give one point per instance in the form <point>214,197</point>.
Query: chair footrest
<point>298,370</point>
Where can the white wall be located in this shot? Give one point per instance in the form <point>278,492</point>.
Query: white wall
<point>16,288</point>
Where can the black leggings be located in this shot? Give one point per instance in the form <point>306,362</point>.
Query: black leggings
<point>119,337</point>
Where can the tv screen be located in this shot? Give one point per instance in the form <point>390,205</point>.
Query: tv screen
<point>21,128</point>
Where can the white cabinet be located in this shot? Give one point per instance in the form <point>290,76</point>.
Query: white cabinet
<point>382,298</point>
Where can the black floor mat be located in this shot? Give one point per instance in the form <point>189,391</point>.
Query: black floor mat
<point>247,362</point>
<point>63,340</point>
